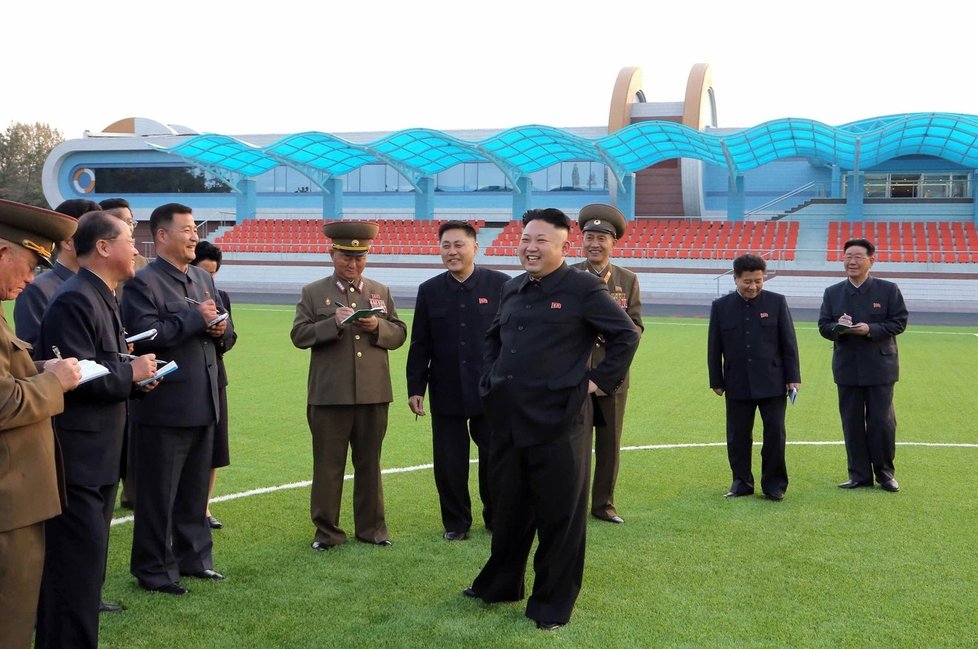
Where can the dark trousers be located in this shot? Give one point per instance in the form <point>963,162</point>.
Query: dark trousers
<point>170,535</point>
<point>740,440</point>
<point>334,429</point>
<point>21,564</point>
<point>607,449</point>
<point>74,569</point>
<point>869,427</point>
<point>450,450</point>
<point>539,490</point>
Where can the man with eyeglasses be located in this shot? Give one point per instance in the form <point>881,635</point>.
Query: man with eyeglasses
<point>31,303</point>
<point>862,315</point>
<point>174,424</point>
<point>120,208</point>
<point>83,321</point>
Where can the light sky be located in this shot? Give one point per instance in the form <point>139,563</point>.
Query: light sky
<point>282,66</point>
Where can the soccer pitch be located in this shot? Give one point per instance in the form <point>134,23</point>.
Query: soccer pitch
<point>823,568</point>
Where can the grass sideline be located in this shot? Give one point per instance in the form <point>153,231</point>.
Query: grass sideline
<point>824,568</point>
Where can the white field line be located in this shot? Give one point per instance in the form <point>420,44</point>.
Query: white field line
<point>422,467</point>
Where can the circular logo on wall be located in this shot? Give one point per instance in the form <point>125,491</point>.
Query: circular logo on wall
<point>84,180</point>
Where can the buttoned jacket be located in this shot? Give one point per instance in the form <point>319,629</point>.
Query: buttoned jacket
<point>864,360</point>
<point>347,366</point>
<point>448,337</point>
<point>752,351</point>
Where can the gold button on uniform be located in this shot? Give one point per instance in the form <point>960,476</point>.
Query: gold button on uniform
<point>353,305</point>
<point>357,337</point>
<point>359,354</point>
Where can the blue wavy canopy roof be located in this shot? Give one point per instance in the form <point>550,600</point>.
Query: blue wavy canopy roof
<point>524,150</point>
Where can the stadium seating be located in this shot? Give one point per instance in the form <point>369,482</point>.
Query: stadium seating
<point>396,237</point>
<point>682,239</point>
<point>944,242</point>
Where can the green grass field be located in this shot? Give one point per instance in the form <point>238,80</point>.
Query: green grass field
<point>823,568</point>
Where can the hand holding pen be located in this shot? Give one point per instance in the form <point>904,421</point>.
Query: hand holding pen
<point>65,369</point>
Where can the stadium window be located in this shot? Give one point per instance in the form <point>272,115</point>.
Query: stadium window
<point>904,185</point>
<point>174,179</point>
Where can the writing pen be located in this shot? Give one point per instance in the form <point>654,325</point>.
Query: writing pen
<point>193,301</point>
<point>57,352</point>
<point>130,357</point>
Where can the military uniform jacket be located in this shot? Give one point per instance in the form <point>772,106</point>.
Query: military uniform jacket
<point>347,366</point>
<point>752,351</point>
<point>83,321</point>
<point>448,339</point>
<point>156,299</point>
<point>33,300</point>
<point>538,349</point>
<point>864,360</point>
<point>28,471</point>
<point>623,286</point>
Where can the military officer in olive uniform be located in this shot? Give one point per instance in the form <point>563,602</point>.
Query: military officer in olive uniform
<point>602,226</point>
<point>349,384</point>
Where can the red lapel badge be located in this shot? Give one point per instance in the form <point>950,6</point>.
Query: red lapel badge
<point>555,305</point>
<point>877,305</point>
<point>763,314</point>
<point>483,300</point>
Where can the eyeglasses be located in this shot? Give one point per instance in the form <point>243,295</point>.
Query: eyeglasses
<point>856,257</point>
<point>129,240</point>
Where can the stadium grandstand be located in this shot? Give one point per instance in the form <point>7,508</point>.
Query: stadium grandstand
<point>696,194</point>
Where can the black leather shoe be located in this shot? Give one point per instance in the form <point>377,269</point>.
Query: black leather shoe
<point>167,589</point>
<point>208,574</point>
<point>214,523</point>
<point>110,607</point>
<point>319,546</point>
<point>470,592</point>
<point>455,536</point>
<point>775,495</point>
<point>548,626</point>
<point>852,484</point>
<point>737,494</point>
<point>890,485</point>
<point>386,543</point>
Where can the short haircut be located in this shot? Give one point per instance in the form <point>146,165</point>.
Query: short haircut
<point>467,227</point>
<point>93,227</point>
<point>551,215</point>
<point>870,248</point>
<point>110,203</point>
<point>163,215</point>
<point>75,207</point>
<point>206,250</point>
<point>748,264</point>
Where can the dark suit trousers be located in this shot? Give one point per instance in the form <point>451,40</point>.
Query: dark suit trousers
<point>869,428</point>
<point>450,451</point>
<point>170,534</point>
<point>607,449</point>
<point>334,429</point>
<point>21,564</point>
<point>74,569</point>
<point>740,440</point>
<point>540,490</point>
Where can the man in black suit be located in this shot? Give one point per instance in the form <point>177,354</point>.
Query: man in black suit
<point>174,424</point>
<point>31,303</point>
<point>752,356</point>
<point>862,316</point>
<point>536,390</point>
<point>451,316</point>
<point>83,321</point>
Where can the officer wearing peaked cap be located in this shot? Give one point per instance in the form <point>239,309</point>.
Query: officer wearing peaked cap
<point>349,389</point>
<point>31,393</point>
<point>602,226</point>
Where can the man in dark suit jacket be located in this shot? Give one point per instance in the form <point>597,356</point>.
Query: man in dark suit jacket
<point>752,356</point>
<point>451,316</point>
<point>536,391</point>
<point>83,321</point>
<point>31,303</point>
<point>602,225</point>
<point>174,424</point>
<point>862,316</point>
<point>31,392</point>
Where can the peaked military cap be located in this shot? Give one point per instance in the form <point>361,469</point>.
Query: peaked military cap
<point>34,228</point>
<point>351,237</point>
<point>598,217</point>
